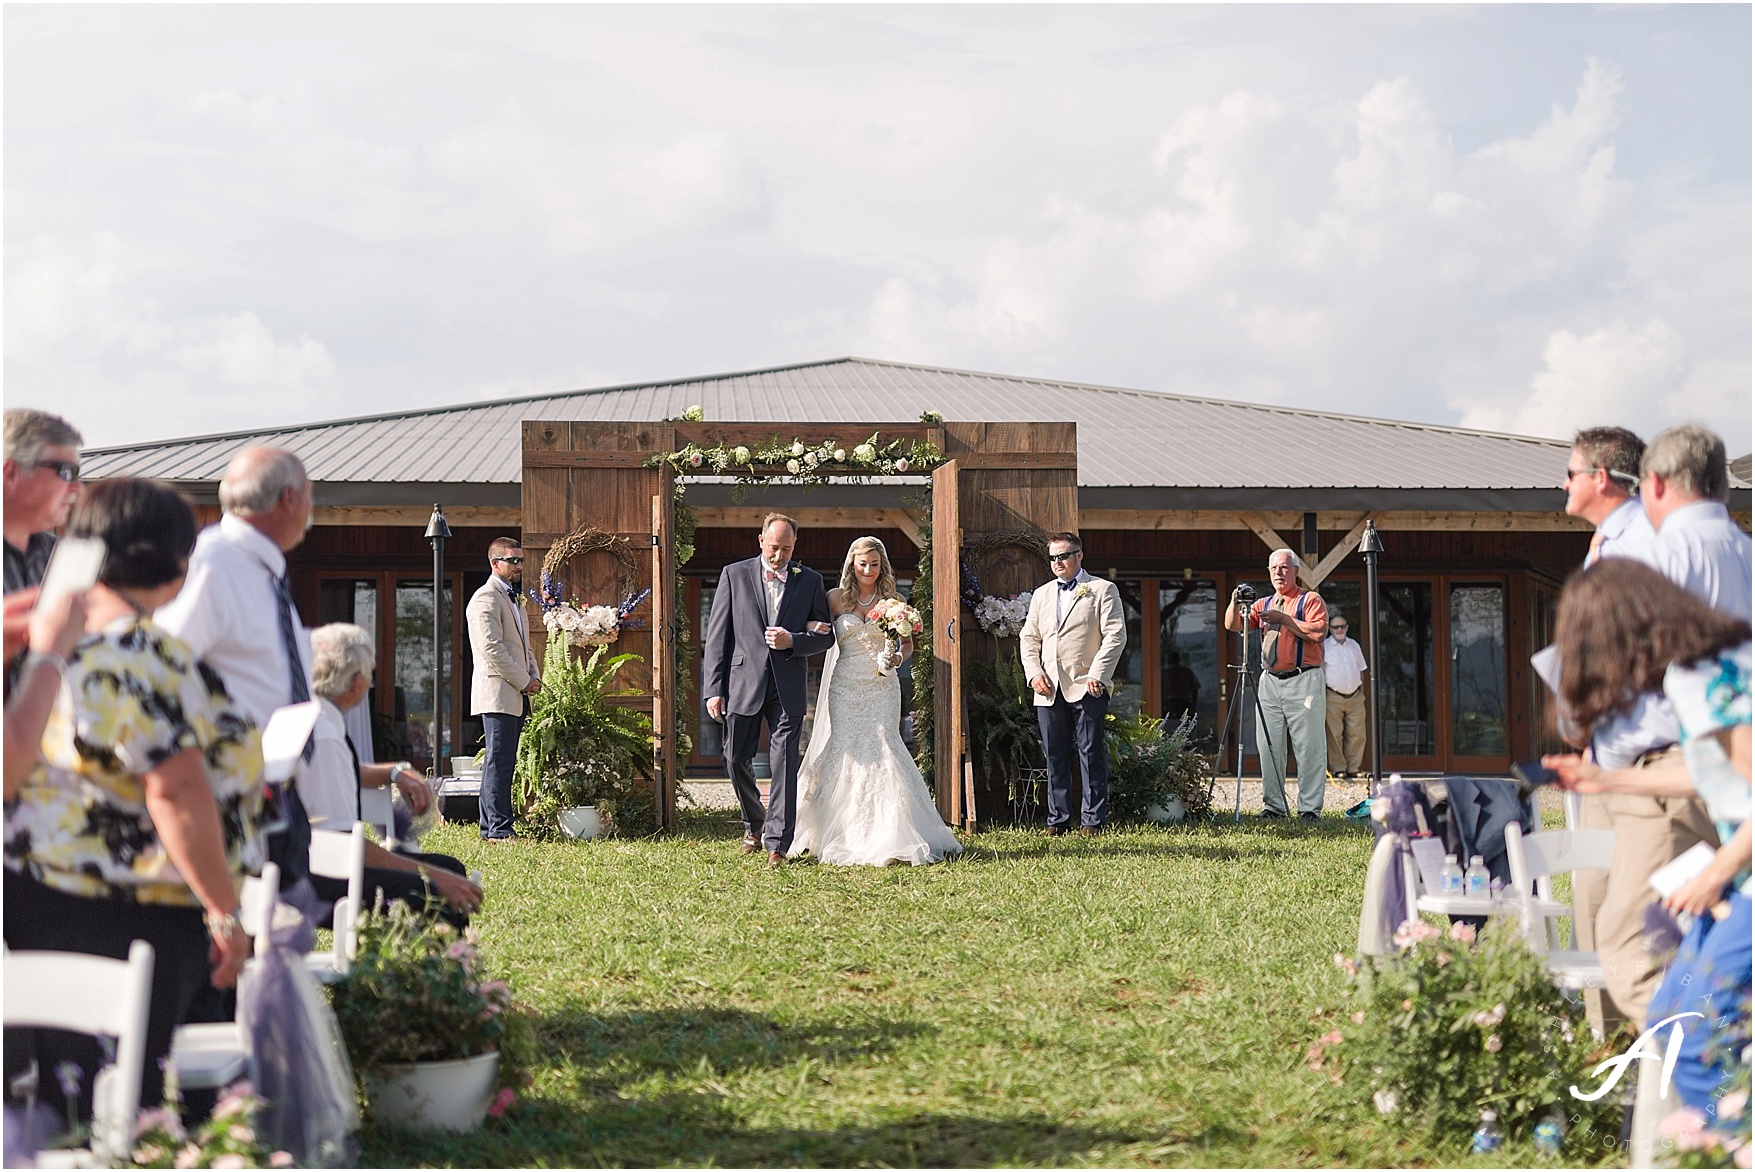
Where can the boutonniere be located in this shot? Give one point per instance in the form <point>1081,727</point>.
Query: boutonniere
<point>795,571</point>
<point>1082,590</point>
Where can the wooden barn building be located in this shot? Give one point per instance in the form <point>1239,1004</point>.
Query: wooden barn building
<point>1178,500</point>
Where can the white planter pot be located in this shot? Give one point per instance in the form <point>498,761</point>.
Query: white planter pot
<point>435,1096</point>
<point>581,822</point>
<point>1170,810</point>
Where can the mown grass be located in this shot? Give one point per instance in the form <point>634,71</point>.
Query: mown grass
<point>1144,998</point>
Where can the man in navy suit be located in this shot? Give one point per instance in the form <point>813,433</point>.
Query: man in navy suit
<point>769,616</point>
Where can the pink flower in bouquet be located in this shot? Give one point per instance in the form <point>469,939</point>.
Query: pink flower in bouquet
<point>280,1160</point>
<point>1731,1106</point>
<point>229,1160</point>
<point>1687,1127</point>
<point>1463,932</point>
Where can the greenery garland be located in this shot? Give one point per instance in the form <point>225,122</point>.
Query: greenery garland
<point>684,524</point>
<point>800,462</point>
<point>920,598</point>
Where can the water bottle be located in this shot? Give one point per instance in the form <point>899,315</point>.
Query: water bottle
<point>1488,1137</point>
<point>1475,878</point>
<point>1450,880</point>
<point>1550,1135</point>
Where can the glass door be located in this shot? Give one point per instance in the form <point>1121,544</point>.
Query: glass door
<point>412,676</point>
<point>1479,694</point>
<point>1188,655</point>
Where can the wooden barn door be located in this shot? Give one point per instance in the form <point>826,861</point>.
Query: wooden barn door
<point>947,654</point>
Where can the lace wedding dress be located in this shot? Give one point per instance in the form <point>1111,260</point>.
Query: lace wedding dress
<point>861,798</point>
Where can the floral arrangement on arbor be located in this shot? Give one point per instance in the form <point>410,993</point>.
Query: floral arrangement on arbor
<point>799,460</point>
<point>1003,618</point>
<point>581,625</point>
<point>1455,1024</point>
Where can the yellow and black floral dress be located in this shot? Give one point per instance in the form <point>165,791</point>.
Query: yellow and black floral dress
<point>133,697</point>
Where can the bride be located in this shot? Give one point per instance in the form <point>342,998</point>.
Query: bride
<point>861,799</point>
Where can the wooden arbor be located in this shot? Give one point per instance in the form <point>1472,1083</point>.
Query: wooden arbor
<point>997,477</point>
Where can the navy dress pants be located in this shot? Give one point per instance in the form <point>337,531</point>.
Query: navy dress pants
<point>1068,727</point>
<point>502,730</point>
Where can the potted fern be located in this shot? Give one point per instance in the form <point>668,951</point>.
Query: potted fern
<point>583,758</point>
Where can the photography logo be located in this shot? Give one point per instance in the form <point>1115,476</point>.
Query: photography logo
<point>1617,1066</point>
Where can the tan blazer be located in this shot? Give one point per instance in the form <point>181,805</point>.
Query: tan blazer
<point>1086,644</point>
<point>504,663</point>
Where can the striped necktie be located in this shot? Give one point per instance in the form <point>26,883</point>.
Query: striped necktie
<point>295,667</point>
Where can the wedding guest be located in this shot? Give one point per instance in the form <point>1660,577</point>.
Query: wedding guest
<point>41,482</point>
<point>1070,644</point>
<point>141,821</point>
<point>50,636</point>
<point>341,672</point>
<point>505,679</point>
<point>1343,673</point>
<point>1602,476</point>
<point>1294,705</point>
<point>1684,487</point>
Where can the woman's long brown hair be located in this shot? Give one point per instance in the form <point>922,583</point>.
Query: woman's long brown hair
<point>1619,625</point>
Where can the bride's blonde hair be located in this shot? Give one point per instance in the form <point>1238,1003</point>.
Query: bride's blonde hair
<point>886,583</point>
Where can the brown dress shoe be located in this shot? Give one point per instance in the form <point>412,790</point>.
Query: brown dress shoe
<point>1090,831</point>
<point>775,858</point>
<point>751,844</point>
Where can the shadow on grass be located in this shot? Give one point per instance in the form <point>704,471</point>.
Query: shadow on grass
<point>704,1129</point>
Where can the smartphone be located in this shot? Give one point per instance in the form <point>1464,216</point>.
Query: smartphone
<point>73,566</point>
<point>1531,776</point>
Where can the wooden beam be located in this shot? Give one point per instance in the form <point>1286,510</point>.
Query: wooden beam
<point>1333,558</point>
<point>904,520</point>
<point>1016,460</point>
<point>1256,524</point>
<point>1195,519</point>
<point>496,516</point>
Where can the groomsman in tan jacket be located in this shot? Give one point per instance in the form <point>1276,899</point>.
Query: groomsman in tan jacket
<point>1071,644</point>
<point>505,679</point>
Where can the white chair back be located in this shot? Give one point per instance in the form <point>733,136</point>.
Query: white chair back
<point>335,855</point>
<point>256,902</point>
<point>91,995</point>
<point>375,811</point>
<point>1535,858</point>
<point>1572,804</point>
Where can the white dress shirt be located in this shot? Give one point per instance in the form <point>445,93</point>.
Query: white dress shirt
<point>1343,664</point>
<point>228,614</point>
<point>1625,533</point>
<point>774,589</point>
<point>1062,597</point>
<point>328,784</point>
<point>1705,552</point>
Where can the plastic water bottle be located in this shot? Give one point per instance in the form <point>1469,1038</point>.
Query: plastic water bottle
<point>1450,880</point>
<point>1488,1137</point>
<point>1475,878</point>
<point>1550,1134</point>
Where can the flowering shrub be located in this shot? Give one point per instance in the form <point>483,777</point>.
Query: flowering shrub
<point>227,1140</point>
<point>417,993</point>
<point>1453,1025</point>
<point>1148,767</point>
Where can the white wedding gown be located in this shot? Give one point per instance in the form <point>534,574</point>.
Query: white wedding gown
<point>861,798</point>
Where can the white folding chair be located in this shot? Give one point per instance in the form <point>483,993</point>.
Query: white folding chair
<point>213,1055</point>
<point>376,811</point>
<point>90,995</point>
<point>336,855</point>
<point>1533,860</point>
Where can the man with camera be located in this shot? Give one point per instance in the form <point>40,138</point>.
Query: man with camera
<point>1293,622</point>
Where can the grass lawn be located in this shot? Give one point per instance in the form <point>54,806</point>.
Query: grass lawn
<point>1144,998</point>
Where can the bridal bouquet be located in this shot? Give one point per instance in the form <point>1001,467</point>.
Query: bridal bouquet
<point>898,621</point>
<point>1003,617</point>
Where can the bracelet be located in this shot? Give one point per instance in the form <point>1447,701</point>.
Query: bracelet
<point>49,657</point>
<point>223,925</point>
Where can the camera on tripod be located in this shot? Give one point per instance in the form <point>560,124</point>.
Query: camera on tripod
<point>1245,594</point>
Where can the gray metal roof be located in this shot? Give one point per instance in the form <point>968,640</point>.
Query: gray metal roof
<point>1126,437</point>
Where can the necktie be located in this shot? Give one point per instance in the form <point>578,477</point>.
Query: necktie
<point>1596,548</point>
<point>289,639</point>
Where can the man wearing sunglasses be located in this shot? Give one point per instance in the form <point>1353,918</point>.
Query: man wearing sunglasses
<point>41,484</point>
<point>1602,475</point>
<point>505,679</point>
<point>1071,644</point>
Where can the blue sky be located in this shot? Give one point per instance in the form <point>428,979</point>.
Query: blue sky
<point>1519,218</point>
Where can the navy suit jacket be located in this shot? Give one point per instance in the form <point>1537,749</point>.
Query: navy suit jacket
<point>738,662</point>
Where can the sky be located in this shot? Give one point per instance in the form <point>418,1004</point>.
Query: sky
<point>1525,219</point>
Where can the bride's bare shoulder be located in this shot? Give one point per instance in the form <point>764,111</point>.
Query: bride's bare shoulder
<point>837,601</point>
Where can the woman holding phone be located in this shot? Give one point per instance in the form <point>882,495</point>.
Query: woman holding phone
<point>137,820</point>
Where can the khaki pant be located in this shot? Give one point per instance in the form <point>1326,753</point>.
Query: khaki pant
<point>1649,832</point>
<point>1293,709</point>
<point>1346,731</point>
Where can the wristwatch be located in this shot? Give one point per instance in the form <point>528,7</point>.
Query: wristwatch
<point>222,925</point>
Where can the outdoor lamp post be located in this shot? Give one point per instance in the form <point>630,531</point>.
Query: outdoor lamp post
<point>437,531</point>
<point>1370,546</point>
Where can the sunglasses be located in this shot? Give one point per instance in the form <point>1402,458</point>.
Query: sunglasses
<point>1572,472</point>
<point>510,561</point>
<point>66,470</point>
<point>1060,558</point>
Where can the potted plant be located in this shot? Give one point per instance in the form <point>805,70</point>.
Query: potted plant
<point>1156,776</point>
<point>422,1022</point>
<point>579,749</point>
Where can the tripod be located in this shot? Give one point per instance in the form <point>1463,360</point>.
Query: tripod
<point>1234,727</point>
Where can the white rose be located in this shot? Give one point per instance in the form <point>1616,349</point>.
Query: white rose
<point>741,454</point>
<point>902,464</point>
<point>797,448</point>
<point>792,467</point>
<point>840,454</point>
<point>810,460</point>
<point>865,452</point>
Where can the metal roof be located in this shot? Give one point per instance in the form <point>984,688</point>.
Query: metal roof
<point>1126,437</point>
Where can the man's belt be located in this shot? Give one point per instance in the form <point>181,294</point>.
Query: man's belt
<point>1345,695</point>
<point>1654,754</point>
<point>1292,673</point>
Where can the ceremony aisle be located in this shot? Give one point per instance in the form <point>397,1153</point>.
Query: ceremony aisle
<point>1144,998</point>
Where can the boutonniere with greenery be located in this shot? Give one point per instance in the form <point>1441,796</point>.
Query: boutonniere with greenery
<point>1083,590</point>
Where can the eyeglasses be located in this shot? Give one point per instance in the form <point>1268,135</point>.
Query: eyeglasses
<point>1337,626</point>
<point>1061,558</point>
<point>1571,472</point>
<point>509,561</point>
<point>66,470</point>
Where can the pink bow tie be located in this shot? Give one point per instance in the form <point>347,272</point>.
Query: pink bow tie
<point>773,575</point>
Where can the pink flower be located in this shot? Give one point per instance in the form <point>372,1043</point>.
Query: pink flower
<point>157,1117</point>
<point>1731,1106</point>
<point>1740,1157</point>
<point>1493,1044</point>
<point>280,1160</point>
<point>188,1156</point>
<point>1414,931</point>
<point>241,1134</point>
<point>695,459</point>
<point>503,1100</point>
<point>1462,932</point>
<point>1687,1127</point>
<point>229,1160</point>
<point>1332,1038</point>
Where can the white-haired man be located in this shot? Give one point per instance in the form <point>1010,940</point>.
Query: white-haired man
<point>1294,704</point>
<point>1684,486</point>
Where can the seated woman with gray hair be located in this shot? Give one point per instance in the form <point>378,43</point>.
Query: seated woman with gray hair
<point>342,658</point>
